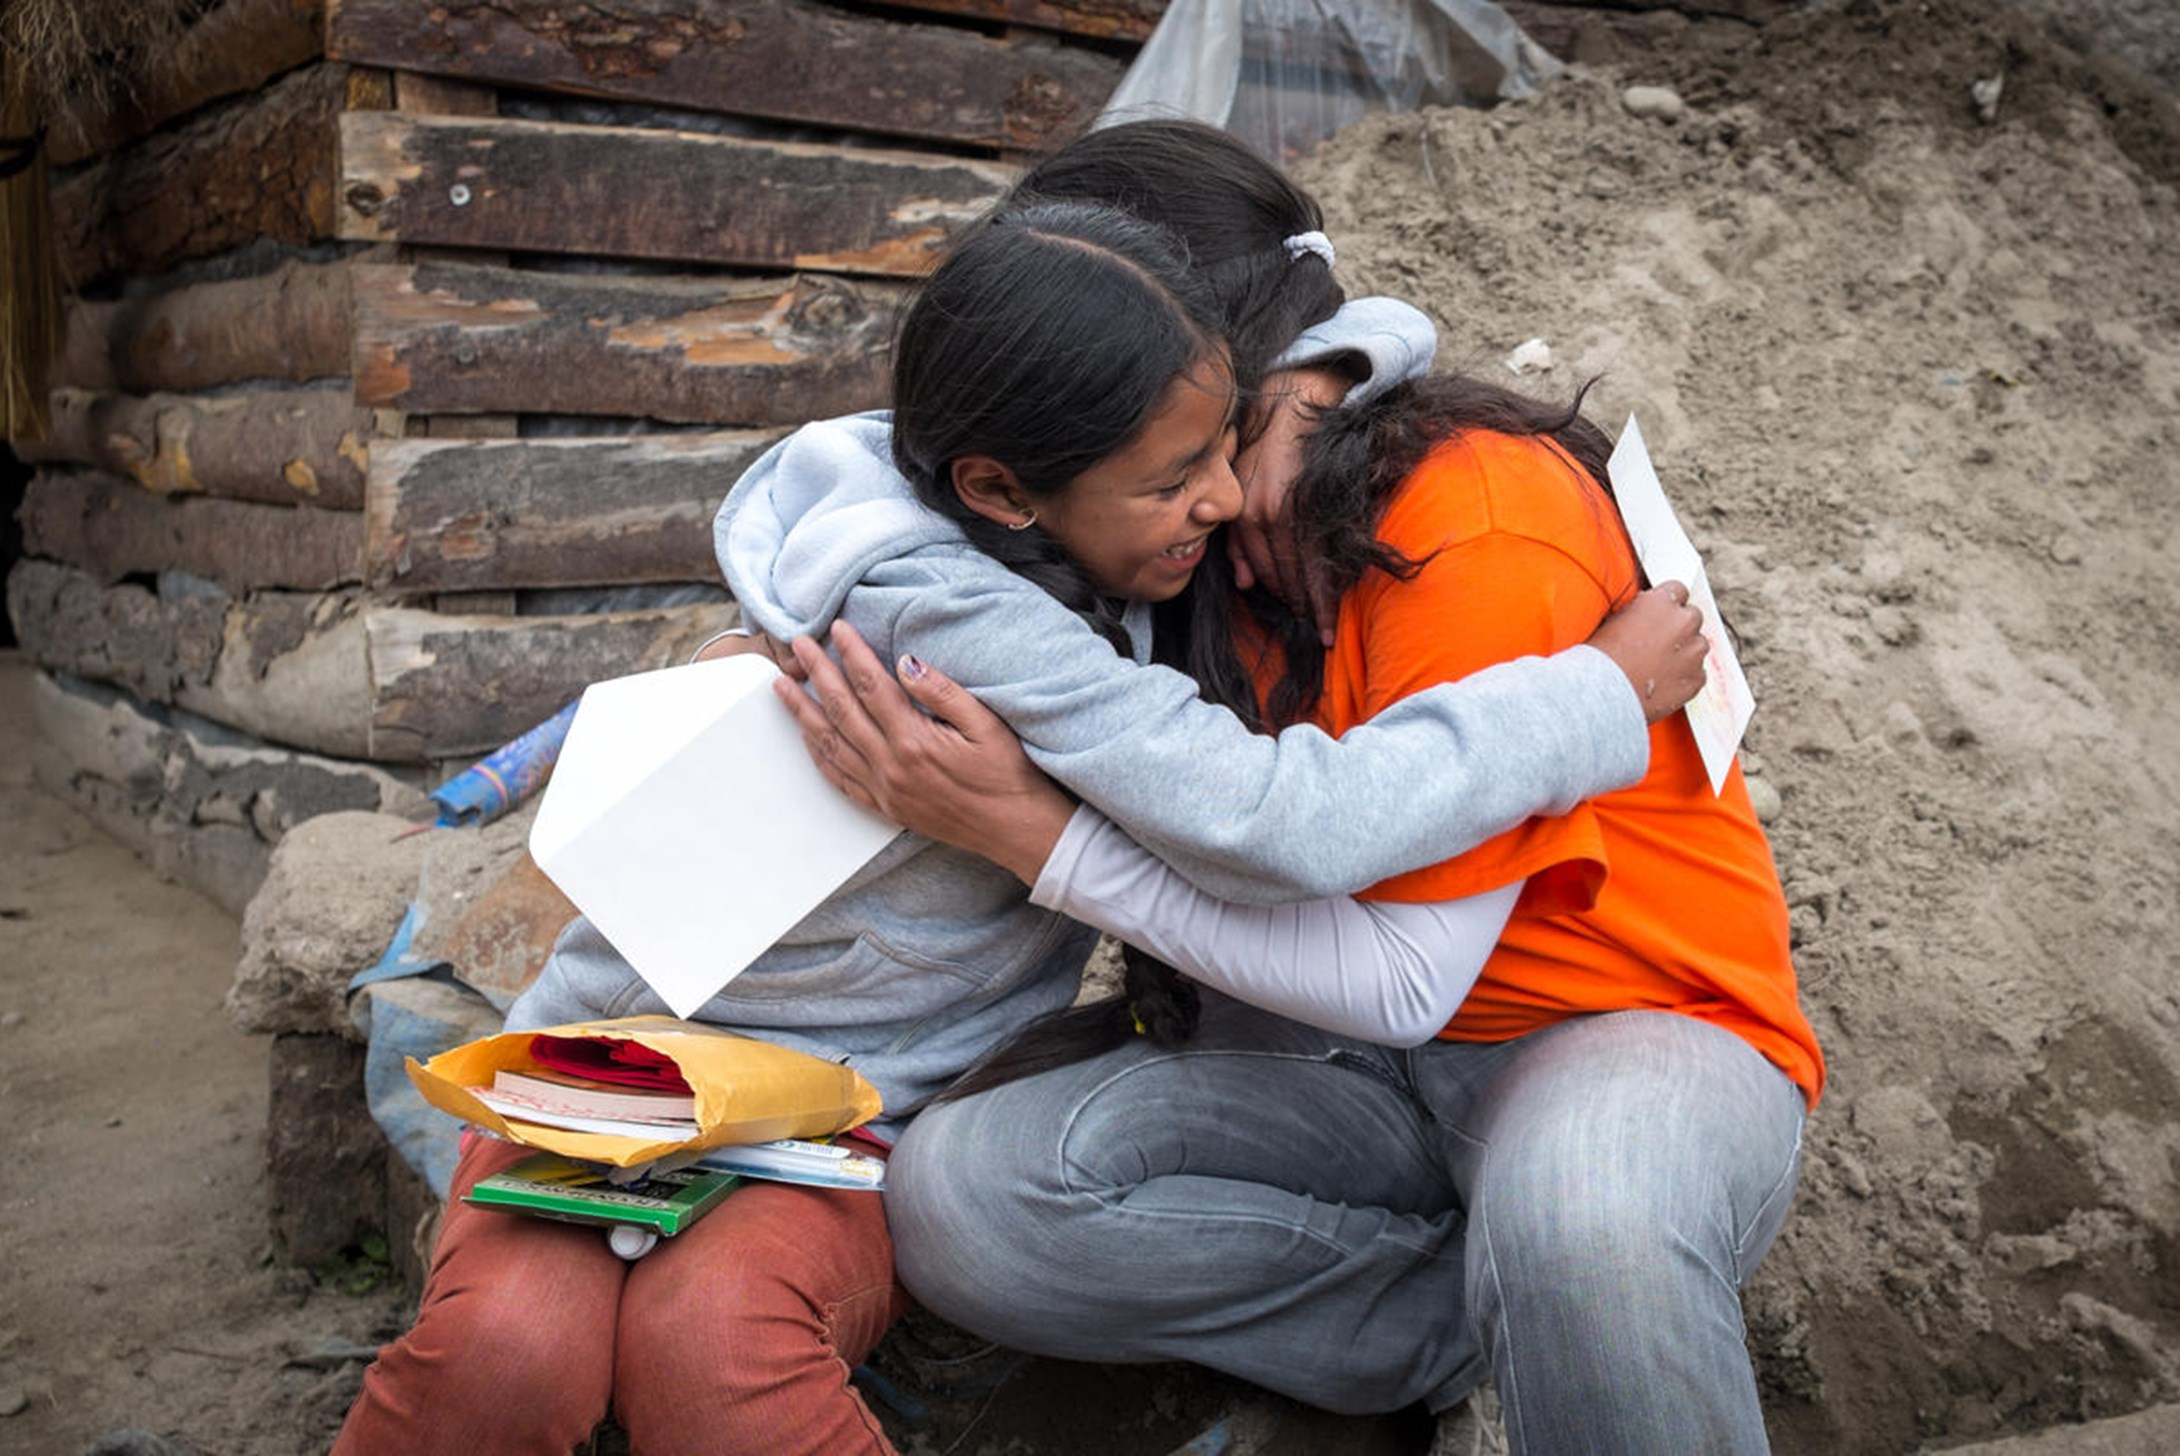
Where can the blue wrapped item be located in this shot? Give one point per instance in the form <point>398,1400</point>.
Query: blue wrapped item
<point>493,785</point>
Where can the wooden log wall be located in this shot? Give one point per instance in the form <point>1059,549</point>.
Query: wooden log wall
<point>389,318</point>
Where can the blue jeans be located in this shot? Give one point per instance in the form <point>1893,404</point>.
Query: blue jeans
<point>1574,1211</point>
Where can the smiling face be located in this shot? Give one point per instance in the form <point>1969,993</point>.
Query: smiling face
<point>1140,520</point>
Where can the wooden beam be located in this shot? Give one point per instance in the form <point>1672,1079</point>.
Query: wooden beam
<point>788,60</point>
<point>238,47</point>
<point>442,338</point>
<point>628,192</point>
<point>287,446</point>
<point>200,803</point>
<point>259,166</point>
<point>112,529</point>
<point>1132,20</point>
<point>287,667</point>
<point>291,323</point>
<point>448,687</point>
<point>478,515</point>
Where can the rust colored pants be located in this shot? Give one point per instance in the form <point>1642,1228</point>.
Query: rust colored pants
<point>736,1335</point>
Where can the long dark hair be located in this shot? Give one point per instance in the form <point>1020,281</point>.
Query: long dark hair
<point>1356,458</point>
<point>1047,339</point>
<point>1232,212</point>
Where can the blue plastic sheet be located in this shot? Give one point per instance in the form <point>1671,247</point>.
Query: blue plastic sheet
<point>407,1006</point>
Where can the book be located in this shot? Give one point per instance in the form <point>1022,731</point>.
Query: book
<point>793,1160</point>
<point>518,1108</point>
<point>559,1092</point>
<point>548,1185</point>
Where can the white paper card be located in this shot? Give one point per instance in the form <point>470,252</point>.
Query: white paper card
<point>686,821</point>
<point>1720,713</point>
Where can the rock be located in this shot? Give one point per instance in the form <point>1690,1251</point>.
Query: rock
<point>1764,798</point>
<point>325,1159</point>
<point>1660,103</point>
<point>14,1400</point>
<point>1531,356</point>
<point>338,887</point>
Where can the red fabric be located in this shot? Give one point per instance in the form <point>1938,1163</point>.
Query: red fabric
<point>622,1063</point>
<point>735,1336</point>
<point>1658,896</point>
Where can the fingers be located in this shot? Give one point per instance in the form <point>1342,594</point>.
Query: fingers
<point>839,706</point>
<point>835,759</point>
<point>1245,573</point>
<point>1252,543</point>
<point>948,701</point>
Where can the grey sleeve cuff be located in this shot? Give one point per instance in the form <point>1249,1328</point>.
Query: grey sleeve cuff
<point>1396,340</point>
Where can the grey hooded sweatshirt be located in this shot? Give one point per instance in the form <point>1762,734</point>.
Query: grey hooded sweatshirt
<point>930,956</point>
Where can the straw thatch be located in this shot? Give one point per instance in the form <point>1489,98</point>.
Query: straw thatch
<point>91,49</point>
<point>54,53</point>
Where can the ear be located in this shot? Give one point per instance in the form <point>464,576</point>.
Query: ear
<point>990,489</point>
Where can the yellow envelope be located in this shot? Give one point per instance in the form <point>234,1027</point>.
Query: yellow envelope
<point>747,1091</point>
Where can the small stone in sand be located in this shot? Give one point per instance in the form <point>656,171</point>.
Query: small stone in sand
<point>1661,102</point>
<point>1764,798</point>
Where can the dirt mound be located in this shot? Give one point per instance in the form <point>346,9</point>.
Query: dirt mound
<point>1910,367</point>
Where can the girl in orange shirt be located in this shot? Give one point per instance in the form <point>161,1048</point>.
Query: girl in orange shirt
<point>1564,1186</point>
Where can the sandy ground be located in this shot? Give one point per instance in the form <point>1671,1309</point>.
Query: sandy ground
<point>1913,377</point>
<point>139,1285</point>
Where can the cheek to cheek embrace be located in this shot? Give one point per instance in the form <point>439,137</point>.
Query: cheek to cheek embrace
<point>1140,521</point>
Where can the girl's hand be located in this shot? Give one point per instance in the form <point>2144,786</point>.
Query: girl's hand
<point>1260,541</point>
<point>1657,640</point>
<point>958,776</point>
<point>737,641</point>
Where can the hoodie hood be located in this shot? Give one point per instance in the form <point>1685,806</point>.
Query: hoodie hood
<point>812,515</point>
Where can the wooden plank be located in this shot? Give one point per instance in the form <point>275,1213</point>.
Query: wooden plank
<point>200,803</point>
<point>463,516</point>
<point>291,323</point>
<point>259,166</point>
<point>112,529</point>
<point>788,60</point>
<point>1117,19</point>
<point>448,687</point>
<point>554,188</point>
<point>441,338</point>
<point>287,446</point>
<point>287,667</point>
<point>238,47</point>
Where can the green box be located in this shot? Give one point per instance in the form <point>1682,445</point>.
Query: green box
<point>551,1186</point>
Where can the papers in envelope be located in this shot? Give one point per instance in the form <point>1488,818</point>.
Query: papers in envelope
<point>687,822</point>
<point>1720,713</point>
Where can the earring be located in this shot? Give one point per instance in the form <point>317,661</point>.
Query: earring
<point>1029,519</point>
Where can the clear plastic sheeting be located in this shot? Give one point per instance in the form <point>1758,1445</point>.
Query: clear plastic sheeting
<point>1285,74</point>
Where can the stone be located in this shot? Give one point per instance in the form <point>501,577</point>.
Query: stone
<point>1653,103</point>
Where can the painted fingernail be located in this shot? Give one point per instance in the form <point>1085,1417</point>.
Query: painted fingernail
<point>910,667</point>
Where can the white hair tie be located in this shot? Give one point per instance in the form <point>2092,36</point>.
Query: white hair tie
<point>1310,242</point>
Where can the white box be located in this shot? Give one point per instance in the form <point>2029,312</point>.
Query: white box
<point>685,819</point>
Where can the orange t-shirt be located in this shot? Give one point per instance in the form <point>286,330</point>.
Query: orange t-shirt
<point>1660,895</point>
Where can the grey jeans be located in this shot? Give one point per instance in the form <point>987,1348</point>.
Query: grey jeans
<point>1361,1228</point>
